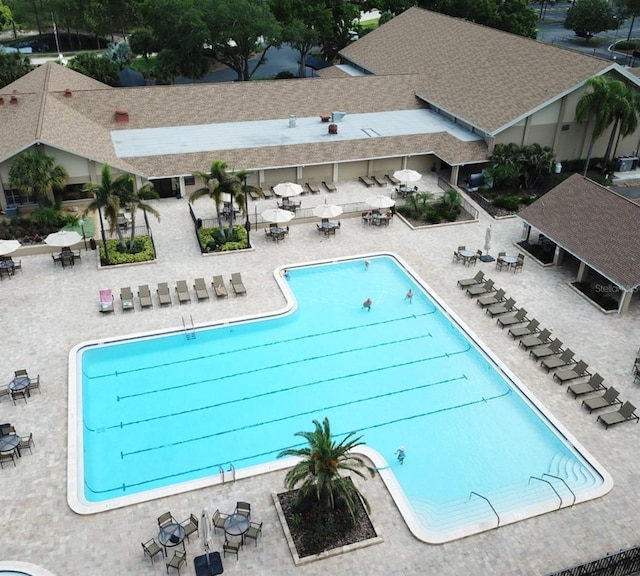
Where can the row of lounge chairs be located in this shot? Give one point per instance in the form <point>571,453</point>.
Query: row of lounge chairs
<point>549,351</point>
<point>379,179</point>
<point>164,294</point>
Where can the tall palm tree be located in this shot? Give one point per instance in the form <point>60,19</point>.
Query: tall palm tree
<point>134,200</point>
<point>626,118</point>
<point>212,187</point>
<point>596,105</point>
<point>37,176</point>
<point>320,465</point>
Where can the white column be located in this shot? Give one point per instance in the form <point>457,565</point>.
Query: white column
<point>625,300</point>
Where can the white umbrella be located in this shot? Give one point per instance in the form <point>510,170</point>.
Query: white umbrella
<point>277,215</point>
<point>380,201</point>
<point>63,238</point>
<point>407,175</point>
<point>8,246</point>
<point>205,529</point>
<point>327,211</point>
<point>487,239</point>
<point>287,189</point>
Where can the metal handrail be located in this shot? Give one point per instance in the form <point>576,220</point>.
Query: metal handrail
<point>551,485</point>
<point>565,483</point>
<point>221,470</point>
<point>488,502</point>
<point>232,469</point>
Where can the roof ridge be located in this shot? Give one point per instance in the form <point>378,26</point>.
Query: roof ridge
<point>43,99</point>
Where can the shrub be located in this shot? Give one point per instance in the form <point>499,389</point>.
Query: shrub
<point>142,252</point>
<point>213,241</point>
<point>510,203</point>
<point>626,45</point>
<point>285,75</point>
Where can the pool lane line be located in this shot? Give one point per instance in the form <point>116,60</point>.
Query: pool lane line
<point>320,410</point>
<point>257,346</point>
<point>215,466</point>
<point>269,393</point>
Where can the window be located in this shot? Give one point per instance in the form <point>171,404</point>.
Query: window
<point>565,127</point>
<point>189,180</point>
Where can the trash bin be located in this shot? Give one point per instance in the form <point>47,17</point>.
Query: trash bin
<point>11,211</point>
<point>92,243</point>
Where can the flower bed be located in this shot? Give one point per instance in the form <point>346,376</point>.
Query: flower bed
<point>143,252</point>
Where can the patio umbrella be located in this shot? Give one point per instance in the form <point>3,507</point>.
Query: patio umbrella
<point>8,246</point>
<point>277,215</point>
<point>327,211</point>
<point>407,175</point>
<point>287,189</point>
<point>205,529</point>
<point>380,201</point>
<point>63,238</point>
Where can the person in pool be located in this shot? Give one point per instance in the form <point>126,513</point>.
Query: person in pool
<point>402,454</point>
<point>367,304</point>
<point>409,296</point>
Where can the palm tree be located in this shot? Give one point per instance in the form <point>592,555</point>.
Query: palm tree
<point>625,118</point>
<point>211,188</point>
<point>134,200</point>
<point>37,176</point>
<point>320,465</point>
<point>596,105</point>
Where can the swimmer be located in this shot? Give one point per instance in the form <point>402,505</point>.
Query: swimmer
<point>366,264</point>
<point>409,296</point>
<point>367,304</point>
<point>285,273</point>
<point>401,454</point>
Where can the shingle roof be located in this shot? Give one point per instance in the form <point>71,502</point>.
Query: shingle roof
<point>482,75</point>
<point>595,224</point>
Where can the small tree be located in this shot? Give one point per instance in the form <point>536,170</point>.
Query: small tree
<point>13,65</point>
<point>96,67</point>
<point>143,43</point>
<point>37,176</point>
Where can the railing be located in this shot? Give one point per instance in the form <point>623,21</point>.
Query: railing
<point>623,563</point>
<point>488,502</point>
<point>565,483</point>
<point>189,329</point>
<point>223,472</point>
<point>550,485</point>
<point>232,469</point>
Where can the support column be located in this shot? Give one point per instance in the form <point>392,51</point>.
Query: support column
<point>583,272</point>
<point>625,300</point>
<point>336,172</point>
<point>181,186</point>
<point>558,256</point>
<point>455,172</point>
<point>558,130</point>
<point>525,132</point>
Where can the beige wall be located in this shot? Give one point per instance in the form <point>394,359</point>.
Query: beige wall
<point>273,177</point>
<point>317,173</point>
<point>353,170</point>
<point>382,166</point>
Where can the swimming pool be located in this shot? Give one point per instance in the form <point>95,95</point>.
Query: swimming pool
<point>164,413</point>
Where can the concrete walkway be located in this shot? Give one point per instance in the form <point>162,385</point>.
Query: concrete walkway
<point>46,310</point>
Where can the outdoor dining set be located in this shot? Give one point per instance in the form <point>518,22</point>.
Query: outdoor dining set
<point>21,386</point>
<point>12,444</point>
<point>503,262</point>
<point>66,257</point>
<point>8,266</point>
<point>237,528</point>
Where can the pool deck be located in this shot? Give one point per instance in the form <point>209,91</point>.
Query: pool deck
<point>47,310</point>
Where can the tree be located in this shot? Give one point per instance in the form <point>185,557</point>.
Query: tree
<point>239,30</point>
<point>213,187</point>
<point>134,200</point>
<point>535,164</point>
<point>96,67</point>
<point>143,43</point>
<point>595,105</point>
<point>13,65</point>
<point>628,8</point>
<point>590,17</point>
<point>6,16</point>
<point>339,19</point>
<point>119,53</point>
<point>517,17</point>
<point>37,176</point>
<point>627,117</point>
<point>318,473</point>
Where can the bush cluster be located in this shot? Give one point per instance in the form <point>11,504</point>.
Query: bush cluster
<point>142,251</point>
<point>34,227</point>
<point>418,207</point>
<point>211,240</point>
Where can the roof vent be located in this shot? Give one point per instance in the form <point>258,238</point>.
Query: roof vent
<point>1,101</point>
<point>337,116</point>
<point>68,93</point>
<point>122,115</point>
<point>14,98</point>
<point>292,120</point>
<point>333,128</point>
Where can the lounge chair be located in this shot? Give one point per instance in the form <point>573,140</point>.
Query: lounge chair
<point>518,318</point>
<point>313,187</point>
<point>126,296</point>
<point>218,287</point>
<point>609,398</point>
<point>554,347</point>
<point>183,291</point>
<point>466,282</point>
<point>592,385</point>
<point>329,186</point>
<point>578,371</point>
<point>163,293</point>
<point>497,309</point>
<point>106,300</point>
<point>520,331</point>
<point>627,412</point>
<point>536,340</point>
<point>393,179</point>
<point>201,289</point>
<point>491,299</point>
<point>366,181</point>
<point>558,361</point>
<point>237,284</point>
<point>379,180</point>
<point>144,294</point>
<point>478,289</point>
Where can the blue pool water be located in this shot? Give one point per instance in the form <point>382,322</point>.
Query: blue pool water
<point>159,411</point>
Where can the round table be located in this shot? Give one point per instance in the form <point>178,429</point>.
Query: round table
<point>171,535</point>
<point>9,442</point>
<point>19,383</point>
<point>509,260</point>
<point>236,524</point>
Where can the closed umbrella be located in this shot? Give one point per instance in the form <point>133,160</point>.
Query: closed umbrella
<point>277,215</point>
<point>63,238</point>
<point>487,239</point>
<point>327,211</point>
<point>8,246</point>
<point>407,175</point>
<point>205,529</point>
<point>287,189</point>
<point>380,201</point>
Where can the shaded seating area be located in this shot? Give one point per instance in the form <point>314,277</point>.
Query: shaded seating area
<point>626,413</point>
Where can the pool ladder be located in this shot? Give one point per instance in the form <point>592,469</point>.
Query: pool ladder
<point>189,328</point>
<point>232,470</point>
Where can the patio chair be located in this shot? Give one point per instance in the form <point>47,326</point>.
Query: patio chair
<point>219,287</point>
<point>151,548</point>
<point>5,391</point>
<point>491,299</point>
<point>237,284</point>
<point>21,372</point>
<point>520,331</point>
<point>466,282</point>
<point>231,549</point>
<point>183,291</point>
<point>330,186</point>
<point>26,443</point>
<point>478,289</point>
<point>243,508</point>
<point>254,531</point>
<point>558,361</point>
<point>609,398</point>
<point>165,519</point>
<point>366,181</point>
<point>627,412</point>
<point>7,457</point>
<point>144,294</point>
<point>519,263</point>
<point>34,384</point>
<point>163,293</point>
<point>592,385</point>
<point>177,561</point>
<point>106,300</point>
<point>190,526</point>
<point>518,318</point>
<point>456,256</point>
<point>217,520</point>
<point>7,429</point>
<point>508,306</point>
<point>201,289</point>
<point>578,371</point>
<point>16,394</point>
<point>267,192</point>
<point>544,337</point>
<point>500,263</point>
<point>127,298</point>
<point>554,347</point>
